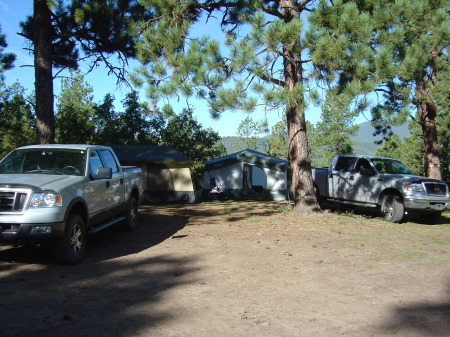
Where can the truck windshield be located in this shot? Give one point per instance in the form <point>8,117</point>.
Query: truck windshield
<point>44,161</point>
<point>384,165</point>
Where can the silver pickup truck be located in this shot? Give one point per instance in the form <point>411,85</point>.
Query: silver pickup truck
<point>56,194</point>
<point>381,182</point>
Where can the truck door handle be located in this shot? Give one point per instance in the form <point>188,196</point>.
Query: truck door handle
<point>121,181</point>
<point>108,184</point>
<point>351,178</point>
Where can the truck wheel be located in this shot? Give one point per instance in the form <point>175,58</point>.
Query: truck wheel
<point>70,248</point>
<point>130,221</point>
<point>392,208</point>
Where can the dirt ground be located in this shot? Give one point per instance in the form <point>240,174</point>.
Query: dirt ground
<point>236,269</point>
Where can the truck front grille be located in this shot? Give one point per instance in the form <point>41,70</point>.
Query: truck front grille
<point>436,189</point>
<point>12,201</point>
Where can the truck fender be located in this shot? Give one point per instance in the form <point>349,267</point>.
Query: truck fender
<point>388,191</point>
<point>78,206</point>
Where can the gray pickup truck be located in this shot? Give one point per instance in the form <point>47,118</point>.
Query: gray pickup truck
<point>56,194</point>
<point>380,182</point>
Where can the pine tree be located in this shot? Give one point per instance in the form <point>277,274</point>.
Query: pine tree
<point>17,123</point>
<point>249,132</point>
<point>58,31</point>
<point>333,131</point>
<point>262,63</point>
<point>75,111</point>
<point>6,59</point>
<point>277,145</point>
<point>395,49</point>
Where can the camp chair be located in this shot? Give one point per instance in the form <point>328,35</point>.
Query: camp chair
<point>216,192</point>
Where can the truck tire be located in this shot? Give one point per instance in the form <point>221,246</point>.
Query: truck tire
<point>71,246</point>
<point>392,208</point>
<point>130,221</point>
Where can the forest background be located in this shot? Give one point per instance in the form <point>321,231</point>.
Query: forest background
<point>79,119</point>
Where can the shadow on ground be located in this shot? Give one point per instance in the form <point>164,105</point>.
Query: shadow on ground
<point>102,295</point>
<point>428,319</point>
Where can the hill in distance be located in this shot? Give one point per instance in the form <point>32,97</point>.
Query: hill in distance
<point>364,139</point>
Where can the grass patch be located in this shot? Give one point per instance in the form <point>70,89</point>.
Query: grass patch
<point>225,210</point>
<point>286,208</point>
<point>365,237</point>
<point>441,240</point>
<point>405,255</point>
<point>435,261</point>
<point>254,219</point>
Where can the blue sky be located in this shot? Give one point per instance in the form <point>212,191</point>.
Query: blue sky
<point>14,11</point>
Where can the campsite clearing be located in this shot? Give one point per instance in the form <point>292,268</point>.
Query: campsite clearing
<point>237,269</point>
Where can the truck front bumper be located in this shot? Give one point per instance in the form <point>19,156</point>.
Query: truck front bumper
<point>425,205</point>
<point>35,232</point>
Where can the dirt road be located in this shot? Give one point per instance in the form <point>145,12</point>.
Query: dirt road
<point>236,269</point>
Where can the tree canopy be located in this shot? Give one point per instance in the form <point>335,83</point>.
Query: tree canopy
<point>395,50</point>
<point>6,59</point>
<point>259,62</point>
<point>58,31</point>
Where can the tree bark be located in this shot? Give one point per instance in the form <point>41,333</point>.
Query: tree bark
<point>45,117</point>
<point>426,110</point>
<point>305,201</point>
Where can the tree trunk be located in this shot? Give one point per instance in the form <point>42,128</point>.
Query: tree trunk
<point>427,116</point>
<point>305,201</point>
<point>42,40</point>
<point>426,110</point>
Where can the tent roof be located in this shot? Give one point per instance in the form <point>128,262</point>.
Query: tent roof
<point>150,154</point>
<point>249,156</point>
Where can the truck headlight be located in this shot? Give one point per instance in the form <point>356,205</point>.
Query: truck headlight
<point>415,187</point>
<point>46,199</point>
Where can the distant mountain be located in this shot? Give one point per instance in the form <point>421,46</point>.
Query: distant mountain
<point>364,140</point>
<point>230,141</point>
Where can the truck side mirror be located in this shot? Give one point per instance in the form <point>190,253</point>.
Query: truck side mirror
<point>102,173</point>
<point>367,171</point>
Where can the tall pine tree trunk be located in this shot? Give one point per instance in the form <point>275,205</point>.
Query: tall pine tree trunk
<point>45,117</point>
<point>305,201</point>
<point>426,110</point>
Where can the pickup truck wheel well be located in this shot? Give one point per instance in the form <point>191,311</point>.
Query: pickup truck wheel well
<point>80,209</point>
<point>390,191</point>
<point>135,193</point>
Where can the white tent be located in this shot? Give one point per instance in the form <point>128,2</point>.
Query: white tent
<point>247,174</point>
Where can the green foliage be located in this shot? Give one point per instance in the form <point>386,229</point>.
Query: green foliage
<point>17,125</point>
<point>409,151</point>
<point>249,132</point>
<point>277,143</point>
<point>135,126</point>
<point>75,112</point>
<point>332,135</point>
<point>396,49</point>
<point>131,127</point>
<point>392,147</point>
<point>444,141</point>
<point>6,59</point>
